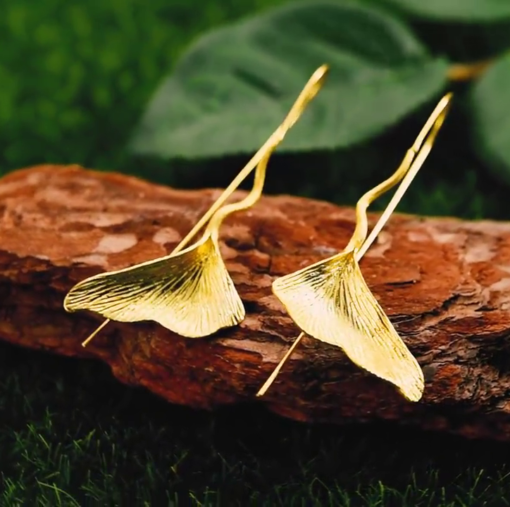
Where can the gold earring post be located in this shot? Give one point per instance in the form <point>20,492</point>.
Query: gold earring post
<point>409,167</point>
<point>310,90</point>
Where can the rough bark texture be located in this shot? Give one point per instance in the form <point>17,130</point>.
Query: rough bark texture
<point>445,284</point>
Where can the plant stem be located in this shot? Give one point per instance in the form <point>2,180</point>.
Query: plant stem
<point>460,72</point>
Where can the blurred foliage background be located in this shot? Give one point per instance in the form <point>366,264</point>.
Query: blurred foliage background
<point>76,79</point>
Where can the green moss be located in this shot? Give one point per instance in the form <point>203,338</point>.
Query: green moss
<point>72,435</point>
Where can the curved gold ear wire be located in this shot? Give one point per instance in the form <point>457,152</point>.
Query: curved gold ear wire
<point>190,293</point>
<point>164,289</point>
<point>331,301</point>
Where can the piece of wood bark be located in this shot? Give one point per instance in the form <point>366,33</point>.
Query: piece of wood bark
<point>445,284</point>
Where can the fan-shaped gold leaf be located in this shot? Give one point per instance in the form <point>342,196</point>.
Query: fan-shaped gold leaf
<point>331,301</point>
<point>190,293</point>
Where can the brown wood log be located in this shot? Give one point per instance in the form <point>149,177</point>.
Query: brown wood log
<point>445,284</point>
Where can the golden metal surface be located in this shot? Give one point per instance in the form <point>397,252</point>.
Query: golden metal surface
<point>189,291</point>
<point>331,301</point>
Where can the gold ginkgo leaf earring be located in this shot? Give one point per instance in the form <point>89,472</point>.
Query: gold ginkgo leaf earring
<point>331,301</point>
<point>189,291</point>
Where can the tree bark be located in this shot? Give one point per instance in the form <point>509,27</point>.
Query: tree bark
<point>445,284</point>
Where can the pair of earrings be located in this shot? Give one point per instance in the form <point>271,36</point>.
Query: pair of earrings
<point>191,293</point>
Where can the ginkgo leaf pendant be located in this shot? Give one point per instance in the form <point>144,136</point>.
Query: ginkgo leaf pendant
<point>190,293</point>
<point>331,301</point>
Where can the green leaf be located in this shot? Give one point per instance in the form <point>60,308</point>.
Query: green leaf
<point>235,85</point>
<point>468,11</point>
<point>489,107</point>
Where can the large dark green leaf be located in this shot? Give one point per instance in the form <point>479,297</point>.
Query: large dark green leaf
<point>468,11</point>
<point>489,105</point>
<point>234,86</point>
